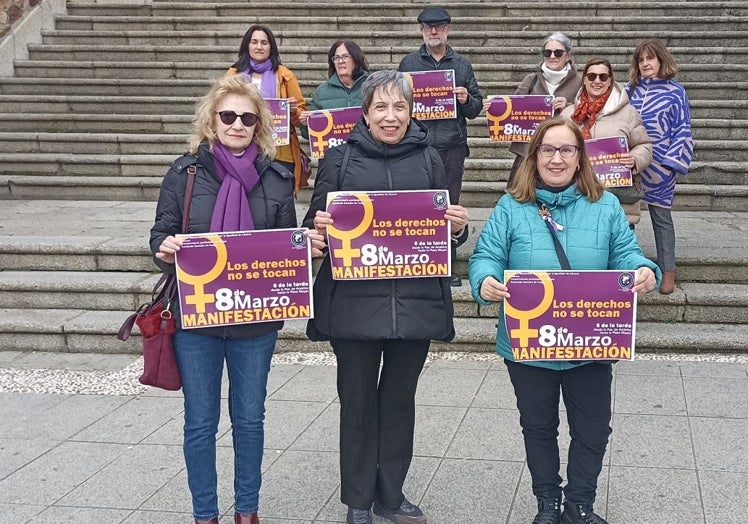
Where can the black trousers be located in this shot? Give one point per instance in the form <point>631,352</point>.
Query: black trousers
<point>454,164</point>
<point>377,417</point>
<point>586,390</point>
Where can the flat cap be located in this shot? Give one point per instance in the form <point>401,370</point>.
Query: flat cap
<point>434,15</point>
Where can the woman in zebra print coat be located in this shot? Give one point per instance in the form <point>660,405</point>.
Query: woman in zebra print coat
<point>663,105</point>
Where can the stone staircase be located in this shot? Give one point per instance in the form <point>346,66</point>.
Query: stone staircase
<point>92,118</point>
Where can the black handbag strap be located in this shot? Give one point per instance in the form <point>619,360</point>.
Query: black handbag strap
<point>545,214</point>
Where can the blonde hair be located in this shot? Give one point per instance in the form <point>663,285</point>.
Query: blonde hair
<point>204,122</point>
<point>524,184</point>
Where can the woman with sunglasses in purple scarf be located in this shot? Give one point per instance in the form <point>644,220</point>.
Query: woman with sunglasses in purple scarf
<point>259,60</point>
<point>237,187</point>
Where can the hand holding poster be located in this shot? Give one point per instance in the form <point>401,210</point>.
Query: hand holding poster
<point>330,127</point>
<point>244,277</point>
<point>605,157</point>
<point>515,118</point>
<point>281,111</point>
<point>433,94</point>
<point>571,315</point>
<point>399,234</point>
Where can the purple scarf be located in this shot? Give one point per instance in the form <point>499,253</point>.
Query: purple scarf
<point>268,85</point>
<point>238,176</point>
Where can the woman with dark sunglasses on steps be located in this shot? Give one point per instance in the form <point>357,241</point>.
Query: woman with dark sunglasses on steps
<point>237,187</point>
<point>556,75</point>
<point>601,109</point>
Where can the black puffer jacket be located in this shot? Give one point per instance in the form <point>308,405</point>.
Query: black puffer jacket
<point>448,133</point>
<point>270,201</point>
<point>408,308</point>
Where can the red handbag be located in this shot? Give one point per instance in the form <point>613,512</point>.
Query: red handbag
<point>157,328</point>
<point>156,322</point>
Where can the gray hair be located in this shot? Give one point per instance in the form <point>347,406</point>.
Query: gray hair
<point>389,81</point>
<point>560,38</point>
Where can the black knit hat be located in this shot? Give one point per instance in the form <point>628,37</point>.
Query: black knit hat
<point>434,15</point>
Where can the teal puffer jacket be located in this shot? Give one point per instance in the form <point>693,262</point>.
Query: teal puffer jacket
<point>595,236</point>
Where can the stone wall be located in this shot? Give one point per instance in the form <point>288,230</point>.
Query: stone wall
<point>11,11</point>
<point>21,24</point>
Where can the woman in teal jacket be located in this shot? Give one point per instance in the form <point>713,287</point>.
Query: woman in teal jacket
<point>595,235</point>
<point>346,70</point>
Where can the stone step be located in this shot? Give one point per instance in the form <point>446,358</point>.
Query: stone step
<point>119,291</point>
<point>314,70</point>
<point>703,129</point>
<point>353,24</point>
<point>460,11</point>
<point>175,144</point>
<point>154,166</point>
<point>82,331</point>
<point>381,54</point>
<point>461,37</point>
<point>197,87</point>
<point>96,123</point>
<point>692,302</point>
<point>105,236</point>
<point>31,103</point>
<point>114,177</point>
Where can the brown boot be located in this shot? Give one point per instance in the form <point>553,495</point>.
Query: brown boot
<point>668,282</point>
<point>246,518</point>
<point>211,521</point>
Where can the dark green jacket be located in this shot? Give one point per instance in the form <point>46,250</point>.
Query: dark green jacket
<point>332,94</point>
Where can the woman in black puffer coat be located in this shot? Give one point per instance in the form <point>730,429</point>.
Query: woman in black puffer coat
<point>390,321</point>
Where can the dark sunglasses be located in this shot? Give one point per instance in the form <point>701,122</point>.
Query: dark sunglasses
<point>229,117</point>
<point>602,76</point>
<point>558,53</point>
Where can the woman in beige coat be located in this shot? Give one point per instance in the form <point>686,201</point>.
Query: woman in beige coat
<point>602,109</point>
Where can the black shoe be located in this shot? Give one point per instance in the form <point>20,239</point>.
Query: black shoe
<point>549,510</point>
<point>358,516</point>
<point>455,281</point>
<point>407,513</point>
<point>580,514</point>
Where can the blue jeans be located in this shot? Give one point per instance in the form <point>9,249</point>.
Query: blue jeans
<point>200,359</point>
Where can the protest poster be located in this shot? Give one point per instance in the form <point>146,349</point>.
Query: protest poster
<point>515,118</point>
<point>244,277</point>
<point>605,157</point>
<point>329,128</point>
<point>571,315</point>
<point>280,109</point>
<point>433,94</point>
<point>380,234</point>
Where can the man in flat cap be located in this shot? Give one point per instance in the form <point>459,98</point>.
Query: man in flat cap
<point>448,136</point>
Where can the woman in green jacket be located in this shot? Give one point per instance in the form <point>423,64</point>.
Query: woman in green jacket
<point>346,70</point>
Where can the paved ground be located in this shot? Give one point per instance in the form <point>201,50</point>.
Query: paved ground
<point>82,442</point>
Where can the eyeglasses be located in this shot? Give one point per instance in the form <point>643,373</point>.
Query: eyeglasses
<point>229,117</point>
<point>558,53</point>
<point>602,76</point>
<point>431,27</point>
<point>341,58</point>
<point>565,151</point>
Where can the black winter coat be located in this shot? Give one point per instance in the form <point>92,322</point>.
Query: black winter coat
<point>448,133</point>
<point>271,203</point>
<point>408,308</point>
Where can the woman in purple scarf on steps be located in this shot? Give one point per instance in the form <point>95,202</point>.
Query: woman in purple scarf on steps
<point>259,60</point>
<point>237,187</point>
